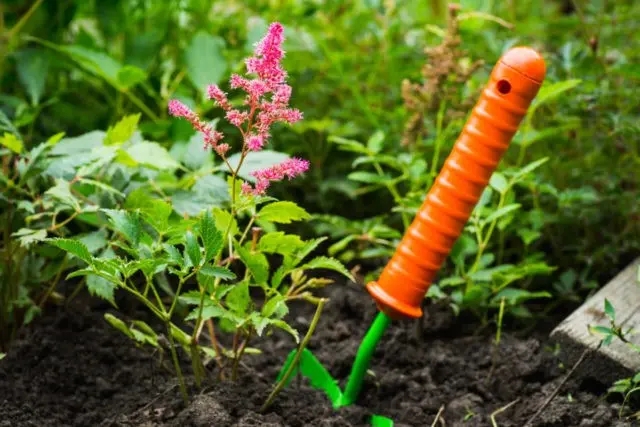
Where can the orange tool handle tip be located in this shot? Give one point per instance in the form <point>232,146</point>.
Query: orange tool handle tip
<point>514,82</point>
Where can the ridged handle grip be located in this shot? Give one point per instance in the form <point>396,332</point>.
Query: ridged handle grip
<point>514,82</point>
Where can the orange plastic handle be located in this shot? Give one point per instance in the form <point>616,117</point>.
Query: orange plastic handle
<point>514,82</point>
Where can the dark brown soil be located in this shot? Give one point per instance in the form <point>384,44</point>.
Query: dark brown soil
<point>71,368</point>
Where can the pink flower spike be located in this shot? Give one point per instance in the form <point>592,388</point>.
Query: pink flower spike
<point>211,138</point>
<point>255,142</point>
<point>236,117</point>
<point>246,188</point>
<point>178,109</point>
<point>222,149</point>
<point>282,94</point>
<point>216,94</point>
<point>237,82</point>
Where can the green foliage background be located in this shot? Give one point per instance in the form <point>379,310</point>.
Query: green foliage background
<point>79,66</point>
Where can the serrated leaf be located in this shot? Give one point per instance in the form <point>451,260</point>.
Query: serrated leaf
<point>101,287</point>
<point>101,185</point>
<point>498,182</point>
<point>376,142</point>
<point>256,263</point>
<point>32,66</point>
<point>238,298</point>
<point>503,211</point>
<point>208,312</point>
<point>204,60</point>
<point>62,193</point>
<point>601,330</point>
<point>550,91</point>
<point>283,213</point>
<point>609,310</point>
<point>349,145</point>
<point>122,131</point>
<point>530,168</point>
<point>219,272</point>
<point>275,307</point>
<point>368,177</point>
<point>74,247</point>
<point>285,327</point>
<point>518,296</point>
<point>155,211</point>
<point>129,76</point>
<point>328,264</point>
<point>10,141</point>
<point>279,243</point>
<point>224,221</point>
<point>126,223</point>
<point>211,236</point>
<point>28,237</point>
<point>309,246</point>
<point>192,248</point>
<point>152,155</point>
<point>118,324</point>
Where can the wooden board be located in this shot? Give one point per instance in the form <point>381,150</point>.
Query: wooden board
<point>617,360</point>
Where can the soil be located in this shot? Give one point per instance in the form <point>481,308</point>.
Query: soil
<point>72,369</point>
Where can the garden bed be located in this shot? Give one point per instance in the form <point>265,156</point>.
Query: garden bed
<point>72,368</point>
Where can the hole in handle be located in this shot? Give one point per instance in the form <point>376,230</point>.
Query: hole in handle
<point>504,87</point>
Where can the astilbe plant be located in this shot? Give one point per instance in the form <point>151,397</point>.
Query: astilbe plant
<point>157,244</point>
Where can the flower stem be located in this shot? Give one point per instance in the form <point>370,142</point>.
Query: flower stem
<point>176,364</point>
<point>305,341</point>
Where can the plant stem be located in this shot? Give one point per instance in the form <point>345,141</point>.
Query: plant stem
<point>238,355</point>
<point>54,283</point>
<point>176,364</point>
<point>305,341</point>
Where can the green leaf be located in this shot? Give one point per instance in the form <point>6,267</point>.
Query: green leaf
<point>129,76</point>
<point>3,355</point>
<point>368,177</point>
<point>101,185</point>
<point>101,287</point>
<point>204,60</point>
<point>309,246</point>
<point>285,327</point>
<point>609,310</point>
<point>208,312</point>
<point>283,213</point>
<point>550,91</point>
<point>10,141</point>
<point>192,248</point>
<point>498,182</point>
<point>225,220</point>
<point>349,145</point>
<point>219,272</point>
<point>254,161</point>
<point>122,131</point>
<point>328,264</point>
<point>211,236</point>
<point>528,236</point>
<point>518,296</point>
<point>155,211</point>
<point>32,66</point>
<point>118,324</point>
<point>174,254</point>
<point>74,247</point>
<point>275,307</point>
<point>62,193</point>
<point>530,168</point>
<point>279,243</point>
<point>126,223</point>
<point>376,142</point>
<point>28,237</point>
<point>152,155</point>
<point>503,211</point>
<point>601,330</point>
<point>238,298</point>
<point>256,263</point>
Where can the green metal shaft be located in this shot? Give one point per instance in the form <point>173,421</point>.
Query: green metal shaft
<point>361,363</point>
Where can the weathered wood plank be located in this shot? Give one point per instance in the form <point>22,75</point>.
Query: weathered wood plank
<point>616,360</point>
